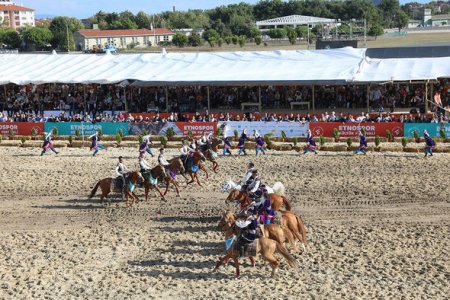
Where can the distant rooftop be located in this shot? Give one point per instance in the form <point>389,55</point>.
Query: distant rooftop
<point>294,20</point>
<point>124,32</point>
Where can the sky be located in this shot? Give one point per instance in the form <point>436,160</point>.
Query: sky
<point>87,8</point>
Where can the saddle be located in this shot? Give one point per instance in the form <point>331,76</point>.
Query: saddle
<point>249,248</point>
<point>118,183</point>
<point>277,218</point>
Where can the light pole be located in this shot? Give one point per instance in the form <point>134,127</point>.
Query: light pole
<point>67,33</point>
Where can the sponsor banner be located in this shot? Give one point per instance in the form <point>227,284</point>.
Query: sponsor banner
<point>69,128</point>
<point>290,128</point>
<point>352,129</point>
<point>182,128</point>
<point>21,128</point>
<point>151,128</point>
<point>432,129</point>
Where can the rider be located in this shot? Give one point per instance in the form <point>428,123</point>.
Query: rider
<point>362,143</point>
<point>247,176</point>
<point>253,184</point>
<point>248,225</point>
<point>241,143</point>
<point>144,147</point>
<point>429,144</point>
<point>122,171</point>
<point>48,144</point>
<point>145,167</point>
<point>162,160</point>
<point>310,143</point>
<point>95,143</point>
<point>226,146</point>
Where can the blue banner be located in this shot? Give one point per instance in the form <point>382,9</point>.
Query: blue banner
<point>69,128</point>
<point>432,129</point>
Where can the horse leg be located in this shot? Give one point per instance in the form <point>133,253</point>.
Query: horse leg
<point>147,189</point>
<point>177,187</point>
<point>196,177</point>
<point>236,265</point>
<point>167,185</point>
<point>252,260</point>
<point>273,261</point>
<point>192,178</point>
<point>204,170</point>
<point>215,166</point>
<point>221,261</point>
<point>157,189</point>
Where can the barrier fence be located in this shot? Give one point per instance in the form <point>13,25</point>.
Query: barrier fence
<point>291,129</point>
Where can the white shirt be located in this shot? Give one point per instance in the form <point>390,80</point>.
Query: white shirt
<point>162,160</point>
<point>246,176</point>
<point>255,185</point>
<point>121,169</point>
<point>144,165</point>
<point>185,150</point>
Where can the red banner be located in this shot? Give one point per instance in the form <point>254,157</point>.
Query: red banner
<point>197,128</point>
<point>353,129</point>
<point>21,128</point>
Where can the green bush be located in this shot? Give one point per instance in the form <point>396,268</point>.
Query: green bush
<point>100,132</point>
<point>120,132</point>
<point>1,139</point>
<point>363,130</point>
<point>163,141</point>
<point>258,40</point>
<point>404,141</point>
<point>77,132</point>
<point>295,141</point>
<point>218,131</point>
<point>140,139</point>
<point>349,142</point>
<point>267,139</point>
<point>70,140</point>
<point>170,132</point>
<point>389,135</point>
<point>23,140</point>
<point>443,134</point>
<point>11,133</point>
<point>55,132</point>
<point>321,140</point>
<point>34,131</point>
<point>416,136</point>
<point>377,141</point>
<point>283,135</point>
<point>336,134</point>
<point>236,133</point>
<point>118,139</point>
<point>190,134</point>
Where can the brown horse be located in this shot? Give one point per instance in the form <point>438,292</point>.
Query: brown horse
<point>106,186</point>
<point>197,158</point>
<point>175,167</point>
<point>272,231</point>
<point>276,201</point>
<point>264,246</point>
<point>156,172</point>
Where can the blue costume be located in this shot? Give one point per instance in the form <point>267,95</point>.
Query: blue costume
<point>95,144</point>
<point>310,143</point>
<point>226,146</point>
<point>241,143</point>
<point>260,145</point>
<point>429,144</point>
<point>144,147</point>
<point>362,144</point>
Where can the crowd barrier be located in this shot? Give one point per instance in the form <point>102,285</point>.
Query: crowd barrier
<point>182,128</point>
<point>69,128</point>
<point>21,128</point>
<point>353,129</point>
<point>275,128</point>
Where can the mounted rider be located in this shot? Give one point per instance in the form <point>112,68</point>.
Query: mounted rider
<point>122,173</point>
<point>145,166</point>
<point>247,235</point>
<point>262,207</point>
<point>205,141</point>
<point>144,147</point>
<point>186,155</point>
<point>162,160</point>
<point>247,176</point>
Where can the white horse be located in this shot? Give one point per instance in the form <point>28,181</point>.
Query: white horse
<point>228,185</point>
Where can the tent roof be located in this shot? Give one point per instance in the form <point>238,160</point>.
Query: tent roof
<point>329,66</point>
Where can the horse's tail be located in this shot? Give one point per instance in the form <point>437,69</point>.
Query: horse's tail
<point>287,203</point>
<point>94,190</point>
<point>302,228</point>
<point>283,251</point>
<point>278,188</point>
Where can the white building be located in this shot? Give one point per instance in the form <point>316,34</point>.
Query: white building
<point>15,16</point>
<point>94,38</point>
<point>294,20</point>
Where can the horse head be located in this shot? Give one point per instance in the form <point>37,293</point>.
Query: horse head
<point>229,185</point>
<point>136,177</point>
<point>198,156</point>
<point>227,221</point>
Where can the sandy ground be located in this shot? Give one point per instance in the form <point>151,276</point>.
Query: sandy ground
<point>378,228</point>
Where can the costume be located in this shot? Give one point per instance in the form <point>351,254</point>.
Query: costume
<point>362,144</point>
<point>226,146</point>
<point>48,144</point>
<point>241,143</point>
<point>95,143</point>
<point>310,143</point>
<point>430,145</point>
<point>144,147</point>
<point>260,145</point>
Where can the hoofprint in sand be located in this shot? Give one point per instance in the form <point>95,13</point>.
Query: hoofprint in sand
<point>378,227</point>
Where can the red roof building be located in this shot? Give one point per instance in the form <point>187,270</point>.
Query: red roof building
<point>15,16</point>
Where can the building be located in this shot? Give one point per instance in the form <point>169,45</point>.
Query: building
<point>15,16</point>
<point>430,20</point>
<point>294,20</point>
<point>88,39</point>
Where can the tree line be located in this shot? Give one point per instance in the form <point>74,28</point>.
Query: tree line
<point>232,23</point>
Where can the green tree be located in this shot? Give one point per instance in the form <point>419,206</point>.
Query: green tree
<point>291,33</point>
<point>242,40</point>
<point>376,30</point>
<point>180,39</point>
<point>195,40</point>
<point>401,20</point>
<point>258,40</point>
<point>10,37</point>
<point>40,37</point>
<point>388,9</point>
<point>59,27</point>
<point>277,33</point>
<point>210,34</point>
<point>302,31</point>
<point>255,32</point>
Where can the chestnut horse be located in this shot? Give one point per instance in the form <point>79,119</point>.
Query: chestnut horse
<point>106,186</point>
<point>264,246</point>
<point>197,158</point>
<point>272,231</point>
<point>156,173</point>
<point>175,167</point>
<point>210,156</point>
<point>276,201</point>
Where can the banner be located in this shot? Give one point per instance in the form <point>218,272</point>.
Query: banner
<point>182,128</point>
<point>69,128</point>
<point>151,128</point>
<point>21,128</point>
<point>432,129</point>
<point>289,128</point>
<point>353,129</point>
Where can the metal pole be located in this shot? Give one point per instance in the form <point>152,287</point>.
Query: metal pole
<point>67,33</point>
<point>167,100</point>
<point>84,98</point>
<point>313,99</point>
<point>125,97</point>
<point>426,97</point>
<point>365,33</point>
<point>308,35</point>
<point>368,98</point>
<point>207,97</point>
<point>259,98</point>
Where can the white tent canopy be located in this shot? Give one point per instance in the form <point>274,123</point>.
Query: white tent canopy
<point>333,66</point>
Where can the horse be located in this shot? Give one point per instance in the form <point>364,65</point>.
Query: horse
<point>105,185</point>
<point>175,167</point>
<point>276,200</point>
<point>197,158</point>
<point>264,246</point>
<point>209,155</point>
<point>272,231</point>
<point>152,183</point>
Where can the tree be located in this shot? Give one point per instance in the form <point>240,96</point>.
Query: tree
<point>255,32</point>
<point>39,37</point>
<point>401,20</point>
<point>258,40</point>
<point>277,33</point>
<point>10,37</point>
<point>59,27</point>
<point>242,40</point>
<point>180,39</point>
<point>210,34</point>
<point>195,40</point>
<point>291,33</point>
<point>388,9</point>
<point>302,31</point>
<point>376,30</point>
